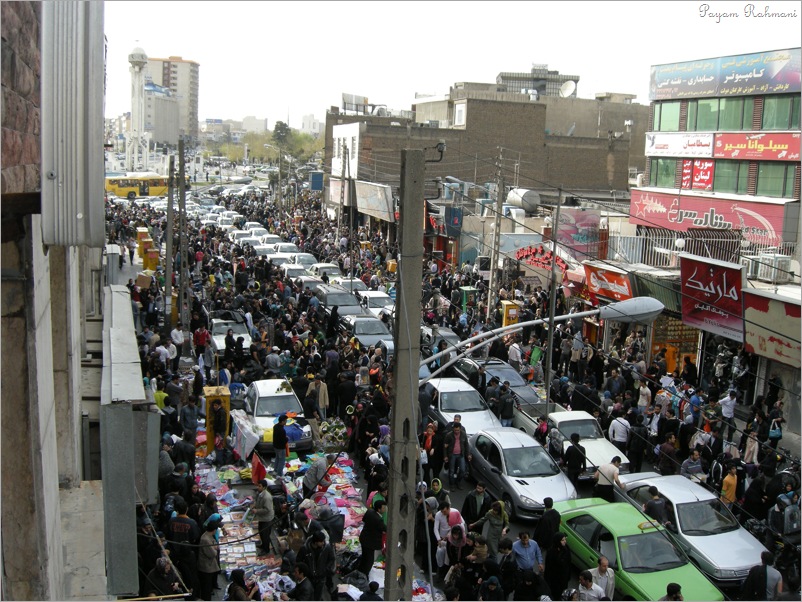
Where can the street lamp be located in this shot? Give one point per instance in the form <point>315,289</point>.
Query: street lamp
<point>643,310</point>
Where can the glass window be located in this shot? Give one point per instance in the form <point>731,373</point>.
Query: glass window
<point>662,174</point>
<point>523,462</point>
<point>584,526</point>
<point>773,180</point>
<point>778,110</point>
<point>692,110</point>
<point>648,552</point>
<point>707,115</point>
<point>494,456</point>
<point>656,120</point>
<point>669,117</point>
<point>708,517</point>
<point>731,114</point>
<point>731,176</point>
<point>749,110</point>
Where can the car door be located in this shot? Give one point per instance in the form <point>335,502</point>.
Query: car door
<point>495,474</point>
<point>464,368</point>
<point>481,463</point>
<point>582,530</point>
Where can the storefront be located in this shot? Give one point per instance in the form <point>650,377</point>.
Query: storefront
<point>771,332</point>
<point>607,283</point>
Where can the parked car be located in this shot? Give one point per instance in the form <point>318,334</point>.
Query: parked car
<point>331,269</point>
<point>235,235</point>
<point>285,247</point>
<point>641,552</point>
<point>367,330</point>
<point>219,324</point>
<point>519,470</point>
<point>598,450</point>
<point>376,302</point>
<point>451,396</point>
<point>347,304</point>
<point>388,352</point>
<point>258,232</point>
<point>264,250</point>
<point>305,259</point>
<point>700,523</point>
<point>251,225</point>
<point>308,281</point>
<point>349,284</point>
<point>249,240</point>
<point>292,270</point>
<point>266,400</point>
<point>465,367</point>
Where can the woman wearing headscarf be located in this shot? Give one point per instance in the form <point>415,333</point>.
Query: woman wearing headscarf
<point>208,554</point>
<point>377,473</point>
<point>427,445</point>
<point>163,580</point>
<point>499,525</point>
<point>457,547</point>
<point>557,569</point>
<point>424,521</point>
<point>238,589</point>
<point>491,590</point>
<point>440,494</point>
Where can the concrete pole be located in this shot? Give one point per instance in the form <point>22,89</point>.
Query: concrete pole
<point>555,224</point>
<point>183,297</point>
<point>492,288</point>
<point>405,416</point>
<point>168,253</point>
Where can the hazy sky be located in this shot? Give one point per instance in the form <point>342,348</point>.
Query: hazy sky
<point>271,59</point>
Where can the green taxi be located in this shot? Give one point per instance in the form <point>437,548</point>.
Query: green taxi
<point>639,550</point>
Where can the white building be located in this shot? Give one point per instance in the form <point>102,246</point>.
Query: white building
<point>310,125</point>
<point>254,124</point>
<point>182,77</point>
<point>161,114</point>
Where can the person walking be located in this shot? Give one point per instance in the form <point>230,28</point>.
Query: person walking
<point>280,442</point>
<point>371,536</point>
<point>763,582</point>
<point>575,460</point>
<point>557,571</point>
<point>548,525</point>
<point>263,515</point>
<point>456,450</point>
<point>318,555</point>
<point>498,525</point>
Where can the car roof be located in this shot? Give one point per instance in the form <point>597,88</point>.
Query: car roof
<point>507,436</point>
<point>450,384</point>
<point>272,386</point>
<point>361,317</point>
<point>569,416</point>
<point>373,294</point>
<point>675,487</point>
<point>621,518</point>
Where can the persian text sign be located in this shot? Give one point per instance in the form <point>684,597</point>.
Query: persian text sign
<point>711,296</point>
<point>760,223</point>
<point>768,146</point>
<point>679,144</point>
<point>697,174</point>
<point>607,283</point>
<point>772,327</point>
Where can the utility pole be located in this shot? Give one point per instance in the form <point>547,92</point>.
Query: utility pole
<point>168,253</point>
<point>555,224</point>
<point>183,296</point>
<point>280,196</point>
<point>492,288</point>
<point>405,418</point>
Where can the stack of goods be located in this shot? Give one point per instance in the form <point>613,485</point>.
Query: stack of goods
<point>334,434</point>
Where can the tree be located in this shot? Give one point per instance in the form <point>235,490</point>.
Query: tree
<point>281,133</point>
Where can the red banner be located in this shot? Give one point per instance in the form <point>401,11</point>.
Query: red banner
<point>711,296</point>
<point>767,146</point>
<point>772,327</point>
<point>761,223</point>
<point>607,283</point>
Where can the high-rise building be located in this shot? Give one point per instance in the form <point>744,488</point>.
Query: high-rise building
<point>161,114</point>
<point>182,77</point>
<point>539,80</point>
<point>254,124</point>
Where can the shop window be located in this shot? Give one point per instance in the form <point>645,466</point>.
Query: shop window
<point>666,119</point>
<point>707,115</point>
<point>724,114</point>
<point>731,176</point>
<point>781,113</point>
<point>775,179</point>
<point>662,173</point>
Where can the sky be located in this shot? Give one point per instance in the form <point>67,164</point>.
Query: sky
<point>284,60</point>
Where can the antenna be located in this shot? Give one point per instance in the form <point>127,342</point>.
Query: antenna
<point>567,89</point>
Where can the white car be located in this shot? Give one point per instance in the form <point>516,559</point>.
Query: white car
<point>270,239</point>
<point>376,302</point>
<point>598,450</point>
<point>332,269</point>
<point>286,247</point>
<point>235,235</point>
<point>258,232</point>
<point>249,240</point>
<point>702,526</point>
<point>266,400</point>
<point>350,284</point>
<point>219,329</point>
<point>292,270</point>
<point>226,223</point>
<point>263,250</point>
<point>452,396</point>
<point>305,259</point>
<point>251,225</point>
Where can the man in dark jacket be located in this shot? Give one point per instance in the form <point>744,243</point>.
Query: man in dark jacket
<point>548,525</point>
<point>456,450</point>
<point>476,504</point>
<point>319,557</point>
<point>575,460</point>
<point>371,536</point>
<point>304,589</point>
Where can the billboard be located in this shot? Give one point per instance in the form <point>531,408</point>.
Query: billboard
<point>772,72</point>
<point>679,144</point>
<point>760,223</point>
<point>697,174</point>
<point>711,295</point>
<point>578,232</point>
<point>772,326</point>
<point>764,146</point>
<point>608,283</point>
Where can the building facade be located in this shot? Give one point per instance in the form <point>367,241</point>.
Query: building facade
<point>161,114</point>
<point>539,80</point>
<point>253,124</point>
<point>182,77</point>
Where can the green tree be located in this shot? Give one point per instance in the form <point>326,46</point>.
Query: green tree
<point>281,133</point>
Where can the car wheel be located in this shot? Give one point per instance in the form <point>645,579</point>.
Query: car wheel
<point>510,507</point>
<point>131,196</point>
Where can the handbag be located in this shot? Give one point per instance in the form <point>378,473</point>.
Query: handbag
<point>424,457</point>
<point>776,432</point>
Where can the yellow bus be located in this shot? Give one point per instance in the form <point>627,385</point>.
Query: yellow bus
<point>134,184</point>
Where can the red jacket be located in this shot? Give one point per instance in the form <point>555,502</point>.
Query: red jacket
<point>201,337</point>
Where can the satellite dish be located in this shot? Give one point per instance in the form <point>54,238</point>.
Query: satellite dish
<point>567,89</point>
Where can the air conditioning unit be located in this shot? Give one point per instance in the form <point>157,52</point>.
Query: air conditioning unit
<point>641,179</point>
<point>774,268</point>
<point>751,263</point>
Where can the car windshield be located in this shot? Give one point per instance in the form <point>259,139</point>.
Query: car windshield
<point>370,327</point>
<point>222,328</point>
<point>277,404</point>
<point>288,248</point>
<point>353,285</point>
<point>529,462</point>
<point>707,517</point>
<point>648,552</point>
<point>461,401</point>
<point>341,299</point>
<point>505,373</point>
<point>587,429</point>
<point>379,301</point>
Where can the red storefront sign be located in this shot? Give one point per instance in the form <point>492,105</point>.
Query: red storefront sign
<point>772,327</point>
<point>607,283</point>
<point>541,257</point>
<point>711,296</point>
<point>767,146</point>
<point>697,174</point>
<point>761,223</point>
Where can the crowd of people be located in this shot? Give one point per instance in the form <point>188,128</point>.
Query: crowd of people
<point>680,424</point>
